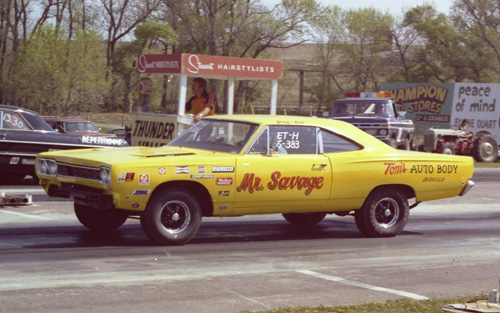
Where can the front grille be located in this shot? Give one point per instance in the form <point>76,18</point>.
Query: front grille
<point>91,173</point>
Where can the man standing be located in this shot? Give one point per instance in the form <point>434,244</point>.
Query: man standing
<point>203,102</point>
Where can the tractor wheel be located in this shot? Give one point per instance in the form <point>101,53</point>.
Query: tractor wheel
<point>485,149</point>
<point>447,148</point>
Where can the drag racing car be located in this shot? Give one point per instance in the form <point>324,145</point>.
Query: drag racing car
<point>303,168</point>
<point>24,133</point>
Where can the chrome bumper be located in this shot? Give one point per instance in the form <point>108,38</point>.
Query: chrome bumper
<point>467,187</point>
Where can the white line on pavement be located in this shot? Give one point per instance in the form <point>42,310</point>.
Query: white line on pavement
<point>25,215</point>
<point>362,285</point>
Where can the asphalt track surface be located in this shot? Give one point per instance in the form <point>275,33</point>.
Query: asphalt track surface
<point>50,263</point>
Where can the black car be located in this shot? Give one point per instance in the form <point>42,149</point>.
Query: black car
<point>377,115</point>
<point>24,133</point>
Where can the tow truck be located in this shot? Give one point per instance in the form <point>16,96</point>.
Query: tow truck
<point>376,114</point>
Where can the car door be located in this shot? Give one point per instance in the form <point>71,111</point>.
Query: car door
<point>282,172</point>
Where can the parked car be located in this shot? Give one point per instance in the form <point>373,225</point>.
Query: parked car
<point>74,125</point>
<point>303,168</point>
<point>24,133</point>
<point>376,114</point>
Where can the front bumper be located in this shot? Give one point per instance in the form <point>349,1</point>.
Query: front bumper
<point>87,196</point>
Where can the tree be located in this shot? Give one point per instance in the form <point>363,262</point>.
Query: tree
<point>364,46</point>
<point>59,76</point>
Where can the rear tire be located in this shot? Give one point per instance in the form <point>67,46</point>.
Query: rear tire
<point>172,217</point>
<point>304,219</point>
<point>485,149</point>
<point>384,213</point>
<point>107,220</point>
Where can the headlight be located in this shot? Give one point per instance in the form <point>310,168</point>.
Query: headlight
<point>105,176</point>
<point>52,167</point>
<point>383,132</point>
<point>42,166</point>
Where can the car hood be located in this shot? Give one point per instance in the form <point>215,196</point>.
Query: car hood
<point>142,155</point>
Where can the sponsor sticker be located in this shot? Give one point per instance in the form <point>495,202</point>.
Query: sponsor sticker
<point>141,192</point>
<point>143,179</point>
<point>14,160</point>
<point>201,176</point>
<point>135,205</point>
<point>224,193</point>
<point>162,171</point>
<point>182,170</point>
<point>222,169</point>
<point>224,181</point>
<point>223,206</point>
<point>201,169</point>
<point>125,177</point>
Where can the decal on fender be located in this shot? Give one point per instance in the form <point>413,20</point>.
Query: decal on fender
<point>143,179</point>
<point>141,192</point>
<point>253,183</point>
<point>182,170</point>
<point>125,177</point>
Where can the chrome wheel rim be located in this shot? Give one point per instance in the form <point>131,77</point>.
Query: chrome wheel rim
<point>386,212</point>
<point>174,217</point>
<point>486,150</point>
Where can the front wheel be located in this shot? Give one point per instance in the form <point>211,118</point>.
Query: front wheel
<point>447,148</point>
<point>384,213</point>
<point>172,217</point>
<point>107,220</point>
<point>304,219</point>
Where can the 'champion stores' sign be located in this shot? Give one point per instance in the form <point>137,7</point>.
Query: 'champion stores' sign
<point>210,65</point>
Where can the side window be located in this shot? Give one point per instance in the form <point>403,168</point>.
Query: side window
<point>286,140</point>
<point>334,143</point>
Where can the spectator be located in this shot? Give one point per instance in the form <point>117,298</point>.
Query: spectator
<point>203,102</point>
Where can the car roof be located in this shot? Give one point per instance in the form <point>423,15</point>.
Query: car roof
<point>51,119</point>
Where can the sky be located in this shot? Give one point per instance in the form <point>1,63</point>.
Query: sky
<point>394,7</point>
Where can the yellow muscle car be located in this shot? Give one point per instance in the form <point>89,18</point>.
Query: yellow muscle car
<point>303,168</point>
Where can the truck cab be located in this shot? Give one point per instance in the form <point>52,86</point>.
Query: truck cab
<point>377,115</point>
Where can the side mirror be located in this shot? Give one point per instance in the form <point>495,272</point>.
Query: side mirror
<point>401,114</point>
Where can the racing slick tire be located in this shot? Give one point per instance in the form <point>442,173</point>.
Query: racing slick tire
<point>304,219</point>
<point>485,149</point>
<point>384,213</point>
<point>447,148</point>
<point>172,217</point>
<point>100,220</point>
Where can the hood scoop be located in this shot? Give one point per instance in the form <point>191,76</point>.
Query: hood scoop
<point>159,155</point>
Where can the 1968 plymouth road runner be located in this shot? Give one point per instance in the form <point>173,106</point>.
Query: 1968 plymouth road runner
<point>303,168</point>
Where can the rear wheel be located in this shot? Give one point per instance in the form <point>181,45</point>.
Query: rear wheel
<point>304,219</point>
<point>172,217</point>
<point>384,213</point>
<point>106,220</point>
<point>485,149</point>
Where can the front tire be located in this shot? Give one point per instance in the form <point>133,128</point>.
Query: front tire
<point>172,217</point>
<point>384,213</point>
<point>93,219</point>
<point>304,219</point>
<point>448,148</point>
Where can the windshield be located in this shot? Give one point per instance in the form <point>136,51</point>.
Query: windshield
<point>215,135</point>
<point>362,108</point>
<point>80,127</point>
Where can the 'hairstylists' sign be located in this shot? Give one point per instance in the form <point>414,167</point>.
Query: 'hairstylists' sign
<point>209,65</point>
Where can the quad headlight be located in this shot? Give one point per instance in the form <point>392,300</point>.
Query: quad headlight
<point>105,174</point>
<point>47,167</point>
